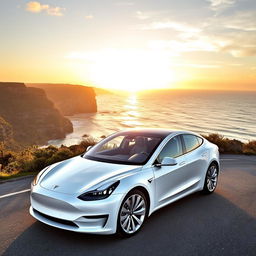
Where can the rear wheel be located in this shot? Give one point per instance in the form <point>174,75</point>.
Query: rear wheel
<point>132,213</point>
<point>211,179</point>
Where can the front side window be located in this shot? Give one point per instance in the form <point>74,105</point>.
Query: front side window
<point>191,142</point>
<point>125,148</point>
<point>173,149</point>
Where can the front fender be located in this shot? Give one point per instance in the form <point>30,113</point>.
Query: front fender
<point>142,178</point>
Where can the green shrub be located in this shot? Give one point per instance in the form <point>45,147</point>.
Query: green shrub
<point>62,154</point>
<point>45,152</point>
<point>77,149</point>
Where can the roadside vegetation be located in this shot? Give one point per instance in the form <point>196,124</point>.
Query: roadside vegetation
<point>232,146</point>
<point>33,159</point>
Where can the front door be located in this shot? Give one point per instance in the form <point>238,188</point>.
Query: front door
<point>169,180</point>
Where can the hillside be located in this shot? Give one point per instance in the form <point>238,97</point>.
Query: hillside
<point>6,132</point>
<point>6,137</point>
<point>70,99</point>
<point>28,116</point>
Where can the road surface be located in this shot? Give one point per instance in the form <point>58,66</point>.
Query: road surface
<point>223,223</point>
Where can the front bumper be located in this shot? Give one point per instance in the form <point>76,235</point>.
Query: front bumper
<point>67,212</point>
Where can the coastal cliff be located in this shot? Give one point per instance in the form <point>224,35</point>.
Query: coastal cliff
<point>28,116</point>
<point>70,99</point>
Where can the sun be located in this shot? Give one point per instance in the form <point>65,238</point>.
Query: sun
<point>130,70</point>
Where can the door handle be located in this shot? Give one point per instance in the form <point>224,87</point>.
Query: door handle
<point>182,163</point>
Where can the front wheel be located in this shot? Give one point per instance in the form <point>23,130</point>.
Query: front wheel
<point>211,179</point>
<point>132,213</point>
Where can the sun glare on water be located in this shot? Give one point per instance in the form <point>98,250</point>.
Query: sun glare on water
<point>130,70</point>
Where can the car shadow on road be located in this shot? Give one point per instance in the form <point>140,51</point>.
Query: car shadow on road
<point>195,225</point>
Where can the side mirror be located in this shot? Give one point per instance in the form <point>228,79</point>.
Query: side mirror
<point>167,161</point>
<point>88,148</point>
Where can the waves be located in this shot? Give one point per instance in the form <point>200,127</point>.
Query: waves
<point>231,114</point>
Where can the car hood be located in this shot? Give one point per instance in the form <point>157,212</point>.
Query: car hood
<point>77,175</point>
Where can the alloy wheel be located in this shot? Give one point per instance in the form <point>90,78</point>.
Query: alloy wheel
<point>212,178</point>
<point>132,214</point>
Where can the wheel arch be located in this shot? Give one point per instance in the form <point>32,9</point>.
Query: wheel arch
<point>217,164</point>
<point>146,193</point>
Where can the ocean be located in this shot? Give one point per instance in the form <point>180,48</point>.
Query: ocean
<point>232,114</point>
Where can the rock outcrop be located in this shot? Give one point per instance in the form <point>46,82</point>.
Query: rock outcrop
<point>31,116</point>
<point>70,99</point>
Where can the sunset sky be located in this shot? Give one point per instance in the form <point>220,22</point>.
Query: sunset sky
<point>130,45</point>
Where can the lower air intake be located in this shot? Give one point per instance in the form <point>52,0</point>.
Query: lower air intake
<point>61,221</point>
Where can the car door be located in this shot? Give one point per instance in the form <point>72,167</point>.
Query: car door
<point>196,160</point>
<point>169,179</point>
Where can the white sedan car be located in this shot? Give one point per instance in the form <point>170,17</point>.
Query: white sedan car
<point>123,179</point>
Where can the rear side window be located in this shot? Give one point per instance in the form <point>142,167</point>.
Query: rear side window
<point>200,141</point>
<point>191,142</point>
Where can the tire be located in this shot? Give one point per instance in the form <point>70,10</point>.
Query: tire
<point>211,179</point>
<point>132,213</point>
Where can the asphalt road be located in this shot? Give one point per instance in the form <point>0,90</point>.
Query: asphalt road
<point>223,223</point>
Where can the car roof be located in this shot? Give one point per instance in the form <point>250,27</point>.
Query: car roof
<point>149,131</point>
<point>156,131</point>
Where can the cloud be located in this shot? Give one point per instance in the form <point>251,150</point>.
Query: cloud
<point>220,4</point>
<point>238,45</point>
<point>241,44</point>
<point>37,7</point>
<point>176,46</point>
<point>232,33</point>
<point>89,17</point>
<point>55,11</point>
<point>142,15</point>
<point>171,25</point>
<point>240,51</point>
<point>244,21</point>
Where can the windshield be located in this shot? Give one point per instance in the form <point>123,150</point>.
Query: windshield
<point>125,148</point>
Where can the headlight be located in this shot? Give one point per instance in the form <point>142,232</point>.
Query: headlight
<point>99,193</point>
<point>38,176</point>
